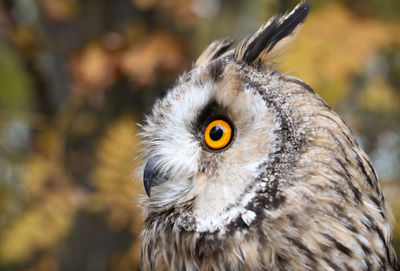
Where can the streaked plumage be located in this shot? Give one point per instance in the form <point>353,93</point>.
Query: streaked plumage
<point>291,190</point>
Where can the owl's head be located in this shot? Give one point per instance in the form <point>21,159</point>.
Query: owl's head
<point>214,139</point>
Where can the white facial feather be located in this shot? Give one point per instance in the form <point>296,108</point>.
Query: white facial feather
<point>172,143</point>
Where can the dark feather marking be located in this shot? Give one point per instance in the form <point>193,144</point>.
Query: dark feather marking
<point>332,264</point>
<point>356,192</point>
<point>350,141</point>
<point>236,224</point>
<point>348,268</point>
<point>339,125</point>
<point>339,245</point>
<point>364,172</point>
<point>212,108</point>
<point>240,223</point>
<point>378,204</point>
<point>282,261</point>
<point>183,265</point>
<point>262,199</point>
<point>299,82</point>
<point>227,43</point>
<point>351,227</point>
<point>150,248</point>
<point>276,31</point>
<point>164,215</point>
<point>381,236</point>
<point>339,144</point>
<point>371,168</point>
<point>293,220</point>
<point>340,190</point>
<point>366,249</point>
<point>208,245</point>
<point>383,261</point>
<point>216,70</point>
<point>308,253</point>
<point>376,228</point>
<point>214,51</point>
<point>324,248</point>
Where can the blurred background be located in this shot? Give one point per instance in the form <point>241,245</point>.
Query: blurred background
<point>76,77</point>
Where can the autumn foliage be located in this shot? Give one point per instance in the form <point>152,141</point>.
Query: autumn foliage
<point>76,77</point>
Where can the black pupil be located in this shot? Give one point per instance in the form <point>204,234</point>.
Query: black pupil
<point>216,132</point>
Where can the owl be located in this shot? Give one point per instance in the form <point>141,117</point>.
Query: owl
<point>246,168</point>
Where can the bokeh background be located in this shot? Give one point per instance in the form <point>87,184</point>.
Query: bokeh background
<point>76,77</point>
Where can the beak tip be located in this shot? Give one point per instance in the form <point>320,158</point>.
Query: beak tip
<point>148,175</point>
<point>151,176</point>
<point>147,187</point>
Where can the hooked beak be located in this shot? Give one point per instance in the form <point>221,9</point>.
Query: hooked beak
<point>150,176</point>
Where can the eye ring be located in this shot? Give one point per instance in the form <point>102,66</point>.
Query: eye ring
<point>217,134</point>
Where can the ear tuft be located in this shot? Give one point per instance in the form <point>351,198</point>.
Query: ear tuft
<point>272,37</point>
<point>213,51</point>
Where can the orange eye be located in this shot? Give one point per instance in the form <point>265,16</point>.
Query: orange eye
<point>218,134</point>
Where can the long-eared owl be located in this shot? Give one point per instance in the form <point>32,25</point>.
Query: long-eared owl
<point>249,169</point>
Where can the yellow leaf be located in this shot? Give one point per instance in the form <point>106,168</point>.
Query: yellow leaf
<point>40,226</point>
<point>116,189</point>
<point>160,51</point>
<point>95,67</point>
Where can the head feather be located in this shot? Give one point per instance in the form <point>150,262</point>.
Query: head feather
<point>264,44</point>
<point>213,51</point>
